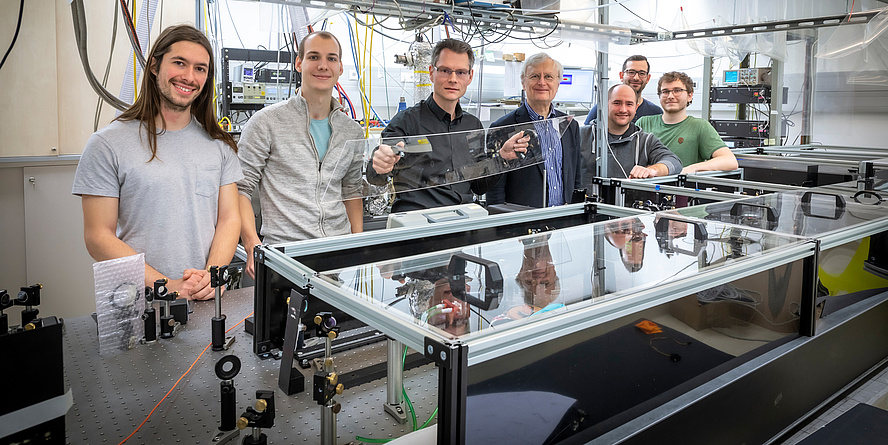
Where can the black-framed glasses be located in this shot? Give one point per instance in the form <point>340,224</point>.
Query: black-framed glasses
<point>462,74</point>
<point>675,91</point>
<point>633,73</point>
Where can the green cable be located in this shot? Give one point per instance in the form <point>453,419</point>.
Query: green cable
<point>409,405</point>
<point>427,422</point>
<point>369,440</point>
<point>404,390</point>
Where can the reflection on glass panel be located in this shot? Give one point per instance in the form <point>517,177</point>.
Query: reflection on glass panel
<point>581,383</point>
<point>438,160</point>
<point>467,292</point>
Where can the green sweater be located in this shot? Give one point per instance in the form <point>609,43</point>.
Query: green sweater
<point>693,140</point>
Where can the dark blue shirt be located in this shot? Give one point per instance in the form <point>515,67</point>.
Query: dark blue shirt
<point>647,108</point>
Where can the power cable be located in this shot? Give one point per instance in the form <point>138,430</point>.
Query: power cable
<point>228,8</point>
<point>98,115</point>
<point>79,18</point>
<point>18,27</point>
<point>133,36</point>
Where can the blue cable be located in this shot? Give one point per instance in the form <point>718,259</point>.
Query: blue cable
<point>351,39</point>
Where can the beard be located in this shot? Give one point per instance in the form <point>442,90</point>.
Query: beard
<point>169,99</point>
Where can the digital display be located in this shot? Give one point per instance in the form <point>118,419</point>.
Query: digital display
<point>248,71</point>
<point>732,76</point>
<point>576,86</point>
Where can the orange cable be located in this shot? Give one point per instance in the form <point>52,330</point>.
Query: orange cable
<point>177,382</point>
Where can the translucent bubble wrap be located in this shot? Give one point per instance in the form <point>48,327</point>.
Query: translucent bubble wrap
<point>120,302</point>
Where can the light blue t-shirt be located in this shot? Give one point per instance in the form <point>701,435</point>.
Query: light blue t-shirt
<point>320,132</point>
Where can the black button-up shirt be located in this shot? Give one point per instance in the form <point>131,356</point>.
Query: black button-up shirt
<point>439,168</point>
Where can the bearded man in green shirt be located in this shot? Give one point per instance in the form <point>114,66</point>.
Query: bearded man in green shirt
<point>694,140</point>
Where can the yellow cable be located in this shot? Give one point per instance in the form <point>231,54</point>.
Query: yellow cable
<point>370,22</point>
<point>361,78</point>
<point>215,90</point>
<point>135,61</point>
<point>365,63</point>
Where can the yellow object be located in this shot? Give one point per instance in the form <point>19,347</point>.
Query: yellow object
<point>648,327</point>
<point>841,269</point>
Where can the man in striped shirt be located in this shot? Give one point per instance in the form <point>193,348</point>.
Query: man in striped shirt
<point>551,182</point>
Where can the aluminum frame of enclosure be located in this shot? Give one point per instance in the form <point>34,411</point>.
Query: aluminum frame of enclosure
<point>268,318</point>
<point>477,350</point>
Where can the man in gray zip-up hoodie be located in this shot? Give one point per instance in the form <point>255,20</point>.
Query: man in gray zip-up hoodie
<point>632,153</point>
<point>309,178</point>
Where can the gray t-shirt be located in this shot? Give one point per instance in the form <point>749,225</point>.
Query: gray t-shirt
<point>167,207</point>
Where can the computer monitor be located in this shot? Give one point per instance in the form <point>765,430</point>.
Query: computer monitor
<point>732,77</point>
<point>576,86</point>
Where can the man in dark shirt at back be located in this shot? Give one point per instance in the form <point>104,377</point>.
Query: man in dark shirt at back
<point>440,114</point>
<point>636,73</point>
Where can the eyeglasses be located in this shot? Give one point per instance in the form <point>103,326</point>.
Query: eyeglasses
<point>675,91</point>
<point>633,73</point>
<point>548,78</point>
<point>462,74</point>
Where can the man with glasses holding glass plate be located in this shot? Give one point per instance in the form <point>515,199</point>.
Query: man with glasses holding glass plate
<point>694,140</point>
<point>636,73</point>
<point>440,114</point>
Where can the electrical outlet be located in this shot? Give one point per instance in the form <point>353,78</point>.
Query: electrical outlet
<point>406,77</point>
<point>353,75</point>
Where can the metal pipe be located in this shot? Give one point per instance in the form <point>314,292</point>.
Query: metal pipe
<point>395,379</point>
<point>328,425</point>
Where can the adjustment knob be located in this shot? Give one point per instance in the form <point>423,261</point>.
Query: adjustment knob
<point>242,423</point>
<point>261,405</point>
<point>340,388</point>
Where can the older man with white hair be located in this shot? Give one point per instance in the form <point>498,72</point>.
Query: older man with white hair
<point>551,182</point>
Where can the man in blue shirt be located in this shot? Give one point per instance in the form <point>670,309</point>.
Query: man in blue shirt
<point>551,182</point>
<point>636,73</point>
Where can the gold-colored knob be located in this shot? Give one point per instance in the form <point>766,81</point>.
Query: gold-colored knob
<point>318,319</point>
<point>171,322</point>
<point>333,378</point>
<point>30,327</point>
<point>288,301</point>
<point>328,362</point>
<point>261,405</point>
<point>340,388</point>
<point>242,423</point>
<point>332,335</point>
<point>40,285</point>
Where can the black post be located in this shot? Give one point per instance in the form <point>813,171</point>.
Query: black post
<point>452,361</point>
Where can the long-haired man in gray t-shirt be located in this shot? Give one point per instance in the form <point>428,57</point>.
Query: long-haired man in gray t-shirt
<point>160,179</point>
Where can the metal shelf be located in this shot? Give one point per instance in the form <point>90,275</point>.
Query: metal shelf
<point>780,25</point>
<point>503,20</point>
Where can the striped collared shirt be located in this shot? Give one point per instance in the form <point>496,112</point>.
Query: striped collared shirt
<point>550,143</point>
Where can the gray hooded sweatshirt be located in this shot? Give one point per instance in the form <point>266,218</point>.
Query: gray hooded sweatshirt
<point>300,195</point>
<point>634,147</point>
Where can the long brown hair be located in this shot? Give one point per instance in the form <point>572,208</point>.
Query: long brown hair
<point>147,106</point>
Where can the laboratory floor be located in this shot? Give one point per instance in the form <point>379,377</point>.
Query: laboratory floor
<point>872,390</point>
